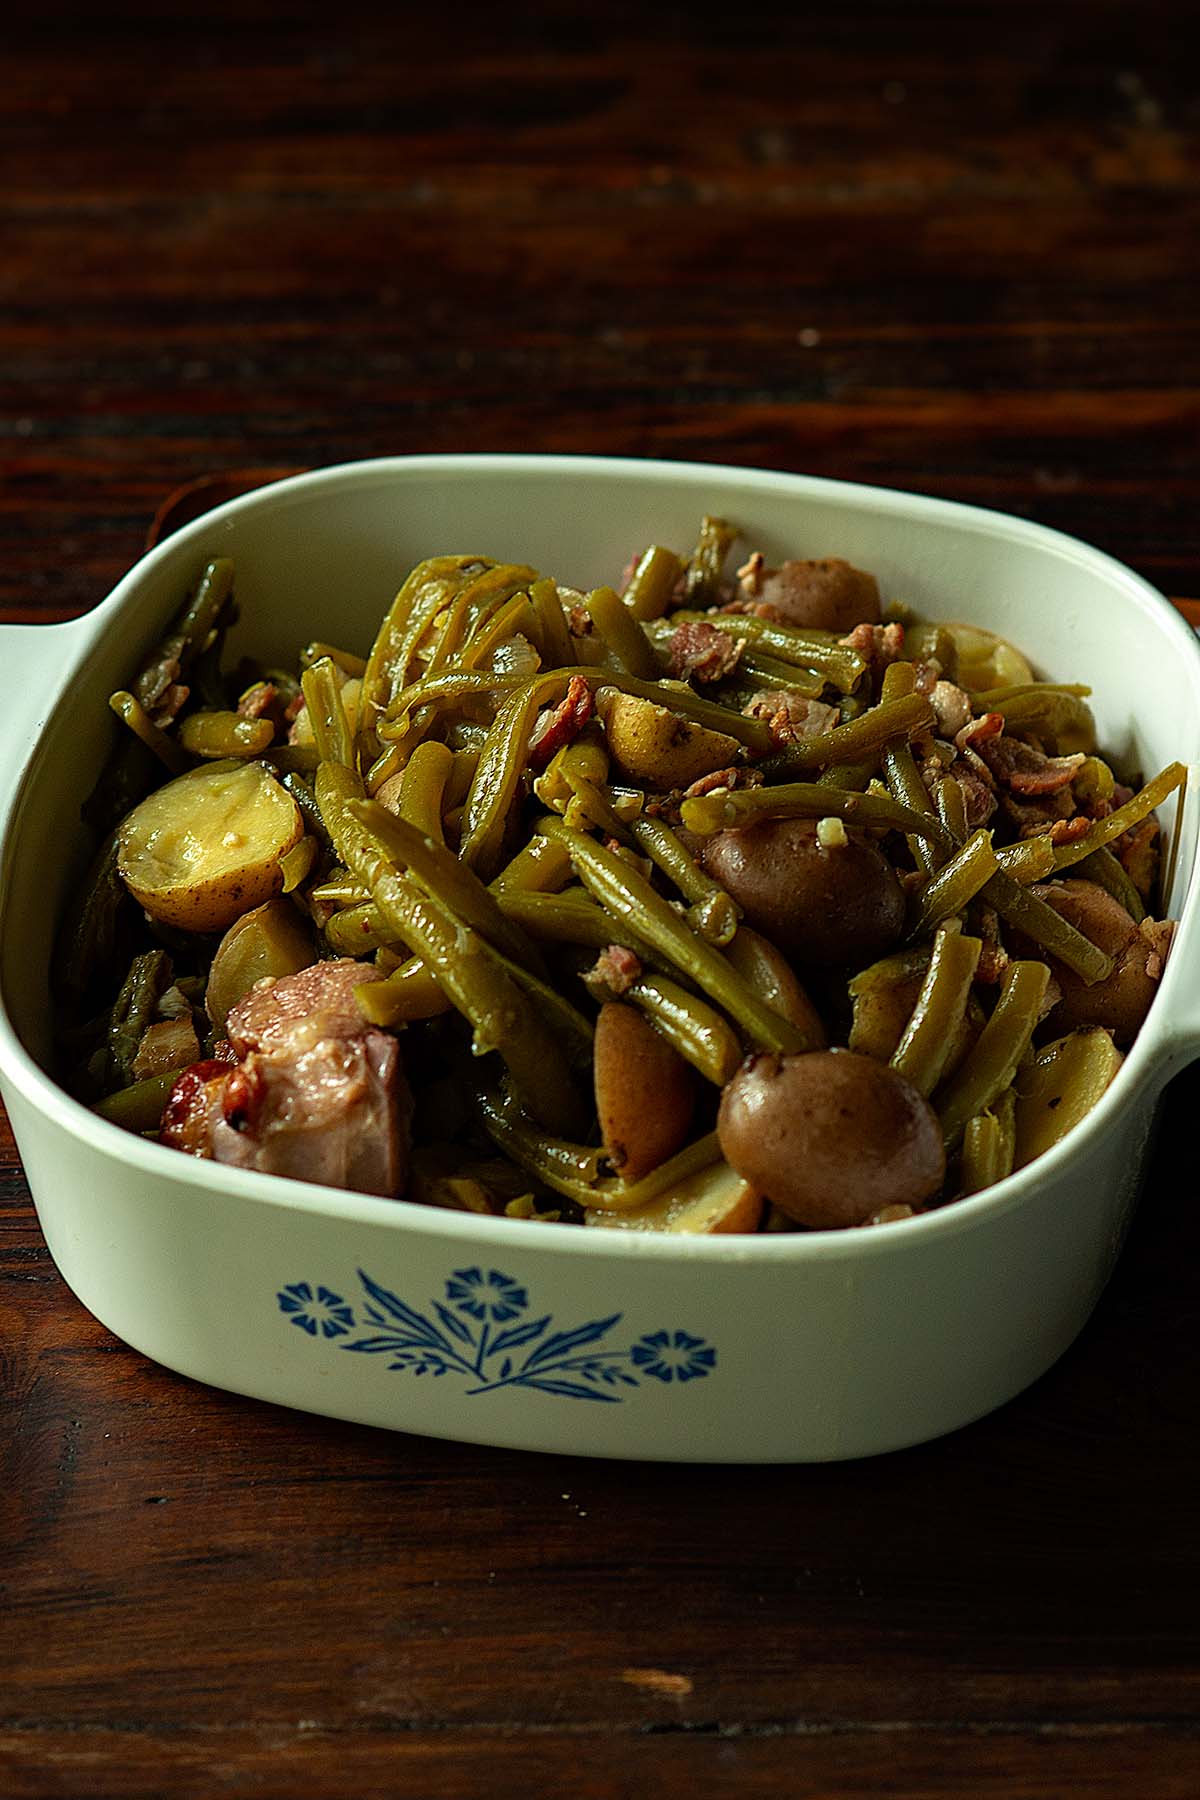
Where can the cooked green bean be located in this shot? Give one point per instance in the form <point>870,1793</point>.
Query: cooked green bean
<point>776,676</point>
<point>923,1050</point>
<point>430,586</point>
<point>131,712</point>
<point>707,813</point>
<point>991,1064</point>
<point>696,1030</point>
<point>907,785</point>
<point>1143,803</point>
<point>819,650</point>
<point>702,580</point>
<point>1053,710</point>
<point>951,805</point>
<point>1030,914</point>
<point>573,918</point>
<point>402,998</point>
<point>89,935</point>
<point>989,1145</point>
<point>423,788</point>
<point>627,894</point>
<point>138,1107</point>
<point>305,799</point>
<point>501,765</point>
<point>858,739</point>
<point>714,913</point>
<point>219,734</point>
<point>1102,867</point>
<point>956,883</point>
<point>558,652</point>
<point>653,583</point>
<point>133,1010</point>
<point>326,713</point>
<point>1030,859</point>
<point>622,633</point>
<point>345,659</point>
<point>541,866</point>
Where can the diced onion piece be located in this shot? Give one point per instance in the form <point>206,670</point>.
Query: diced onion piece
<point>207,847</point>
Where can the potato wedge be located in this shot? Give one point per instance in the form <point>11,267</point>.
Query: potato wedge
<point>271,939</point>
<point>1065,1081</point>
<point>650,744</point>
<point>645,1091</point>
<point>715,1200</point>
<point>206,848</point>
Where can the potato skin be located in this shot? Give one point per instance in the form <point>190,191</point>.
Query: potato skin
<point>830,1137</point>
<point>1120,1002</point>
<point>644,1091</point>
<point>828,594</point>
<point>652,744</point>
<point>820,904</point>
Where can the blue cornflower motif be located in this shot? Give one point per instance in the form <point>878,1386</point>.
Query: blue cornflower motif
<point>673,1356</point>
<point>491,1296</point>
<point>324,1312</point>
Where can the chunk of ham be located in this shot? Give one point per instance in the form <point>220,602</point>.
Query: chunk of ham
<point>316,1093</point>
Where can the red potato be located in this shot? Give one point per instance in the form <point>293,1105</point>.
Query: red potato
<point>821,903</point>
<point>832,1138</point>
<point>1122,1000</point>
<point>828,594</point>
<point>644,1091</point>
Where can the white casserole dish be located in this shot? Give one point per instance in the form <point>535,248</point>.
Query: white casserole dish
<point>784,1348</point>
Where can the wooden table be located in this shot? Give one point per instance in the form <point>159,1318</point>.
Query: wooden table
<point>952,248</point>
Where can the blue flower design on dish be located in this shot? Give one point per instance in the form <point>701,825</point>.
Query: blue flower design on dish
<point>492,1296</point>
<point>470,1335</point>
<point>324,1312</point>
<point>673,1356</point>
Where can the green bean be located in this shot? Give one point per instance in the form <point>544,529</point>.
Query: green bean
<point>410,993</point>
<point>819,650</point>
<point>220,734</point>
<point>554,637</point>
<point>541,866</point>
<point>1103,868</point>
<point>492,629</point>
<point>941,1006</point>
<point>622,633</point>
<point>1103,831</point>
<point>465,966</point>
<point>627,894</point>
<point>423,788</point>
<point>866,736</point>
<point>776,676</point>
<point>899,680</point>
<point>1029,860</point>
<point>572,918</point>
<point>133,1010</point>
<point>708,813</point>
<point>357,929</point>
<point>345,659</point>
<point>956,883</point>
<point>951,805</point>
<point>653,583</point>
<point>190,632</point>
<point>1054,711</point>
<point>326,714</point>
<point>714,913</point>
<point>702,580</point>
<point>428,588</point>
<point>131,712</point>
<point>297,759</point>
<point>501,765</point>
<point>89,934</point>
<point>989,1145</point>
<point>1030,914</point>
<point>305,799</point>
<point>696,1030</point>
<point>990,1065</point>
<point>445,879</point>
<point>573,1169</point>
<point>138,1107</point>
<point>907,785</point>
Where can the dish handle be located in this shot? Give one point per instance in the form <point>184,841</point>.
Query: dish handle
<point>32,661</point>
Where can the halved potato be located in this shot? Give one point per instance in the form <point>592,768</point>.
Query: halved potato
<point>717,1199</point>
<point>651,744</point>
<point>271,939</point>
<point>206,848</point>
<point>986,660</point>
<point>1060,1088</point>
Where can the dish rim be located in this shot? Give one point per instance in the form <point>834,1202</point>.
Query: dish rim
<point>1152,1047</point>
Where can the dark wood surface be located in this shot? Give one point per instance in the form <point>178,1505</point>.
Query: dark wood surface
<point>952,248</point>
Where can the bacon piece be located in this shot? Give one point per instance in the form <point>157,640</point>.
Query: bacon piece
<point>1059,831</point>
<point>1137,851</point>
<point>723,778</point>
<point>167,1044</point>
<point>701,653</point>
<point>558,725</point>
<point>192,1102</point>
<point>261,701</point>
<point>1026,771</point>
<point>790,717</point>
<point>615,969</point>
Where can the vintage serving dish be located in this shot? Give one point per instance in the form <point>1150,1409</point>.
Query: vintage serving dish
<point>782,1348</point>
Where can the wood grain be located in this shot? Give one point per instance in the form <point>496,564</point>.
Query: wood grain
<point>951,249</point>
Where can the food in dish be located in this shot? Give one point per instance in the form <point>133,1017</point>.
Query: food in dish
<point>727,902</point>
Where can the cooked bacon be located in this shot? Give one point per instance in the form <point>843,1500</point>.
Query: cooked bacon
<point>558,725</point>
<point>261,701</point>
<point>952,705</point>
<point>1027,771</point>
<point>1059,831</point>
<point>615,969</point>
<point>192,1102</point>
<point>790,717</point>
<point>750,575</point>
<point>1137,851</point>
<point>723,778</point>
<point>168,1044</point>
<point>701,653</point>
